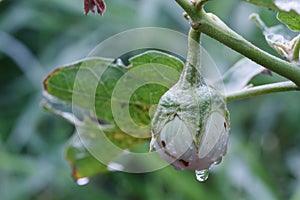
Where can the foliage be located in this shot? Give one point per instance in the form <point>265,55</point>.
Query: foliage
<point>263,158</point>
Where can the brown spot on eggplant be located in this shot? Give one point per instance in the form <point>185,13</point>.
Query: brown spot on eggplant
<point>185,163</point>
<point>163,143</point>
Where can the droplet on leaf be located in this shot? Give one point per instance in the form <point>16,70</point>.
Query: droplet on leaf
<point>82,181</point>
<point>113,166</point>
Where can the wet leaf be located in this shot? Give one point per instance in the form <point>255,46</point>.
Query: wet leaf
<point>104,76</point>
<point>75,90</point>
<point>240,74</point>
<point>83,164</point>
<point>89,139</point>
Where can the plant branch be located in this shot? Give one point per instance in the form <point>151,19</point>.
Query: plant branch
<point>200,4</point>
<point>215,28</point>
<point>263,89</point>
<point>212,26</point>
<point>188,7</point>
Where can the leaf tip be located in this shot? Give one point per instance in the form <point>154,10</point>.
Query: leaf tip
<point>45,82</point>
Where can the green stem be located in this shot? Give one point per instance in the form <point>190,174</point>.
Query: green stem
<point>200,4</point>
<point>263,89</point>
<point>191,75</point>
<point>212,26</point>
<point>189,8</point>
<point>194,48</point>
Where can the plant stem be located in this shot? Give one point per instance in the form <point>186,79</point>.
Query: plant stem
<point>212,26</point>
<point>191,75</point>
<point>216,29</point>
<point>194,47</point>
<point>200,4</point>
<point>188,7</point>
<point>263,89</point>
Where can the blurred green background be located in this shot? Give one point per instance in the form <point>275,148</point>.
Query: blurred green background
<point>263,160</point>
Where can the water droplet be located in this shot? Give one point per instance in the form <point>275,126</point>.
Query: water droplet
<point>112,166</point>
<point>83,181</point>
<point>202,175</point>
<point>218,161</point>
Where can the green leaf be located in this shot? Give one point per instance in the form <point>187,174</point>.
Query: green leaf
<point>240,74</point>
<point>292,19</point>
<point>83,164</point>
<point>60,83</point>
<point>88,140</point>
<point>73,91</point>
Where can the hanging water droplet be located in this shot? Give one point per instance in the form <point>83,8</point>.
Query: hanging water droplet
<point>82,181</point>
<point>218,161</point>
<point>202,175</point>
